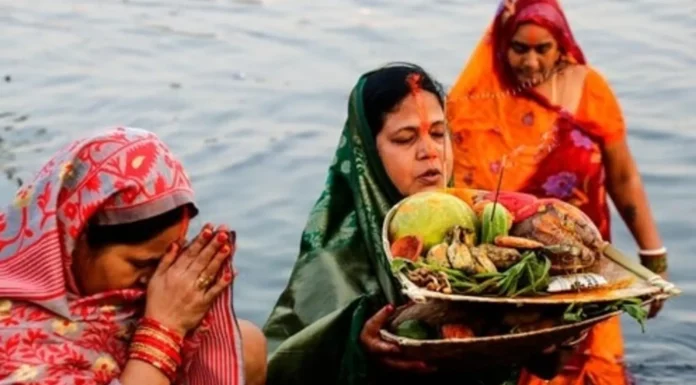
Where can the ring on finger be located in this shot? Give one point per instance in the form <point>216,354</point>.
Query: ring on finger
<point>203,282</point>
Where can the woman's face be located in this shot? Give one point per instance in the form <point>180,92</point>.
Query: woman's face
<point>414,146</point>
<point>533,54</point>
<point>115,267</point>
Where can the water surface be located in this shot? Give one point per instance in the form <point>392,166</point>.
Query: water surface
<point>252,96</point>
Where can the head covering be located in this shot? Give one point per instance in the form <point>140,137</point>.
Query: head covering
<point>342,276</point>
<point>544,13</point>
<point>49,333</point>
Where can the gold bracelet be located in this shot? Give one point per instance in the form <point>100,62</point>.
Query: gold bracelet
<point>161,358</point>
<point>153,333</point>
<point>656,264</point>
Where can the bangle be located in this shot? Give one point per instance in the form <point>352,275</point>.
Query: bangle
<point>655,260</point>
<point>657,265</point>
<point>158,346</point>
<point>653,252</point>
<point>148,322</point>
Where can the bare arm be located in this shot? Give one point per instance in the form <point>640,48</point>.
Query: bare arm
<point>625,187</point>
<point>626,190</point>
<point>138,372</point>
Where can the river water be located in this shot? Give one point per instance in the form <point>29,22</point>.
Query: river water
<point>252,95</point>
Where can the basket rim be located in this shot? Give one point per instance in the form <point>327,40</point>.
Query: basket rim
<point>513,336</point>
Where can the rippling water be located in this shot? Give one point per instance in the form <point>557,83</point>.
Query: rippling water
<point>252,96</point>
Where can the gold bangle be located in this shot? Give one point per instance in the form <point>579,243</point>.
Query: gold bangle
<point>154,352</point>
<point>657,265</point>
<point>144,330</point>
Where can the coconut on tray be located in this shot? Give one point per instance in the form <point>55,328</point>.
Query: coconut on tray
<point>513,248</point>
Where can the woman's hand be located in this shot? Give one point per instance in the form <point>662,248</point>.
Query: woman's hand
<point>186,283</point>
<point>387,353</point>
<point>550,361</point>
<point>657,304</point>
<point>658,265</point>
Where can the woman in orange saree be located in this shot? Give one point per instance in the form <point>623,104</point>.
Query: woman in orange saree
<point>529,106</point>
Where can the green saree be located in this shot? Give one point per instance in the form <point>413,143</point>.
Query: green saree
<point>341,277</point>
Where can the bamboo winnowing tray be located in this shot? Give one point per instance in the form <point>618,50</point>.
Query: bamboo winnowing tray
<point>627,279</point>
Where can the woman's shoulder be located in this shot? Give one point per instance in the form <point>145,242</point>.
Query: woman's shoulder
<point>596,82</point>
<point>596,89</point>
<point>600,105</point>
<point>589,77</point>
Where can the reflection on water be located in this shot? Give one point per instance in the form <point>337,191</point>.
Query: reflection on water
<point>252,96</point>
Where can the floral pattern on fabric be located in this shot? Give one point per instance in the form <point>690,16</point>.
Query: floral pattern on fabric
<point>560,185</point>
<point>581,140</point>
<point>528,119</point>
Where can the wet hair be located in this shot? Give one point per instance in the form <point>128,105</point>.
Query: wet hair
<point>134,233</point>
<point>386,87</point>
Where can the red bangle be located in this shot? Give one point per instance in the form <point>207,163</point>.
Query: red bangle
<point>165,348</point>
<point>158,346</point>
<point>154,324</point>
<point>146,355</point>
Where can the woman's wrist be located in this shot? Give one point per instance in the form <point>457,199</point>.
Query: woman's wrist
<point>654,259</point>
<point>157,345</point>
<point>166,324</point>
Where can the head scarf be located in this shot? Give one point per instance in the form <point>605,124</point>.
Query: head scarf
<point>49,333</point>
<point>341,276</point>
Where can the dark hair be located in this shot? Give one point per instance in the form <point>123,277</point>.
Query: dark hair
<point>136,232</point>
<point>386,88</point>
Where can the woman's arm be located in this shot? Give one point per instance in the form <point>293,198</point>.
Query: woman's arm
<point>255,351</point>
<point>625,187</point>
<point>138,372</point>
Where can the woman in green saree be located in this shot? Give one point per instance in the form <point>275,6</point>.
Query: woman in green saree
<point>325,326</point>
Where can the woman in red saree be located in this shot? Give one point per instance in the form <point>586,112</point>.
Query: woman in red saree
<point>97,285</point>
<point>529,106</point>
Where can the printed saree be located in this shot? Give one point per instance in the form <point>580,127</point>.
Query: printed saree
<point>341,277</point>
<point>546,151</point>
<point>49,333</point>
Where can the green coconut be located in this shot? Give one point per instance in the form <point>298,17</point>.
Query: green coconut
<point>494,223</point>
<point>430,215</point>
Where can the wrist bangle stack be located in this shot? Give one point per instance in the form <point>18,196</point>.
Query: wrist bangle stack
<point>158,346</point>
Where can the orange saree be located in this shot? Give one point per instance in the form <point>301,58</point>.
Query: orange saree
<point>545,150</point>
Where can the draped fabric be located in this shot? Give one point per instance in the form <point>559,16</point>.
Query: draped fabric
<point>49,332</point>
